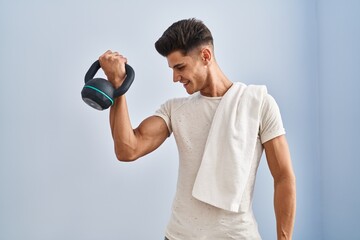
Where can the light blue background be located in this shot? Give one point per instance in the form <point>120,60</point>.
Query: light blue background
<point>59,178</point>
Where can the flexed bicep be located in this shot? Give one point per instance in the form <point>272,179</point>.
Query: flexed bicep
<point>150,134</point>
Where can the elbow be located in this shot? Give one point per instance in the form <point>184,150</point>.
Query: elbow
<point>126,149</point>
<point>125,156</point>
<point>287,177</point>
<point>128,160</point>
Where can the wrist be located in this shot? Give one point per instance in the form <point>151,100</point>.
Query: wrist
<point>117,82</point>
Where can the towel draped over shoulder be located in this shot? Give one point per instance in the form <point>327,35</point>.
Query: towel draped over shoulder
<point>230,147</point>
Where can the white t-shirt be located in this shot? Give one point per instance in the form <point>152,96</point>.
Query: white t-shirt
<point>189,119</point>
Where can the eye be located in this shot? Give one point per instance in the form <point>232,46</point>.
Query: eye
<point>181,68</point>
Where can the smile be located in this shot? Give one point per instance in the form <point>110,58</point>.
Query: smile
<point>185,83</point>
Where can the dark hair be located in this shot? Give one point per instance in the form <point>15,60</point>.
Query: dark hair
<point>184,35</point>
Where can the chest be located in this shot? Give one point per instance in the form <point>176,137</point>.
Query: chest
<point>191,123</point>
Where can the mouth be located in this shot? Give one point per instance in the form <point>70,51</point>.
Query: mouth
<point>185,83</point>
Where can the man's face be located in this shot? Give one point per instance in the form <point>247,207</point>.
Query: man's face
<point>188,69</point>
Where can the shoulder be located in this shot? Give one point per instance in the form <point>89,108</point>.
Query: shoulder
<point>261,94</point>
<point>256,91</point>
<point>251,92</point>
<point>175,104</point>
<point>269,103</point>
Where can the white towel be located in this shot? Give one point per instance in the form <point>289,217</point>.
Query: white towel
<point>230,147</point>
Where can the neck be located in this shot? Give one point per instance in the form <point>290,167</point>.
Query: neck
<point>217,83</point>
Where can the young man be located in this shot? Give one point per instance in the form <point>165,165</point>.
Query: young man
<point>221,130</point>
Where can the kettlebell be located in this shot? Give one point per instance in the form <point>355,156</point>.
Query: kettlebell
<point>99,93</point>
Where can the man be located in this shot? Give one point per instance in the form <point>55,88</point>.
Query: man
<point>188,48</point>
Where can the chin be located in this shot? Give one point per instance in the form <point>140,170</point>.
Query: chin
<point>190,91</point>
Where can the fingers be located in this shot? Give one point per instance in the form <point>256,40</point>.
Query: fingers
<point>113,65</point>
<point>112,56</point>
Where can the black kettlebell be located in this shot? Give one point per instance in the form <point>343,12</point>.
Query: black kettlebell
<point>99,93</point>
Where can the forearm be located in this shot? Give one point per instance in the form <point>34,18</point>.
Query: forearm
<point>121,130</point>
<point>285,207</point>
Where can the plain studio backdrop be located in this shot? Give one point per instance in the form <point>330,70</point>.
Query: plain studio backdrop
<point>59,178</point>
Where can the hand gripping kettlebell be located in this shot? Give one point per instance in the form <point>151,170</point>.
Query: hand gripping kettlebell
<point>99,93</point>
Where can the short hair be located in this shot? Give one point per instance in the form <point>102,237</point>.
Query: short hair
<point>184,35</point>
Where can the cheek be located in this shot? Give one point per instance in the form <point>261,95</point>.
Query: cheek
<point>200,75</point>
<point>200,69</point>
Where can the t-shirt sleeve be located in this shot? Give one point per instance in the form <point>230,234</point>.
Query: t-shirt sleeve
<point>271,125</point>
<point>165,113</point>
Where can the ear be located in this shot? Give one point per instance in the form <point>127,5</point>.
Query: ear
<point>206,55</point>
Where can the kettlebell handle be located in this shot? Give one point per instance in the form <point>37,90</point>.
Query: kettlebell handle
<point>130,75</point>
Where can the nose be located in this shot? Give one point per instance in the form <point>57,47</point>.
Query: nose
<point>176,77</point>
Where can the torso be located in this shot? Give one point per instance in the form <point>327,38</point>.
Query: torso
<point>192,219</point>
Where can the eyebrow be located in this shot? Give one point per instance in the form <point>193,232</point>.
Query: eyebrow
<point>177,65</point>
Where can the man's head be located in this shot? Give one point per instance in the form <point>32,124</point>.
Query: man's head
<point>188,47</point>
<point>184,36</point>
